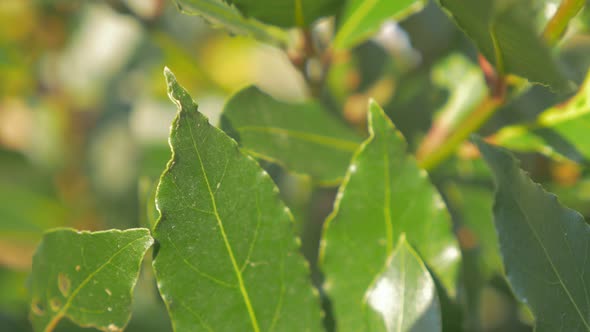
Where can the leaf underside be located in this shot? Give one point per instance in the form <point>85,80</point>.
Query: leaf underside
<point>225,16</point>
<point>287,13</point>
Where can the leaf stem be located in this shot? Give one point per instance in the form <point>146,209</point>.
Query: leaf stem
<point>560,20</point>
<point>442,139</point>
<point>477,118</point>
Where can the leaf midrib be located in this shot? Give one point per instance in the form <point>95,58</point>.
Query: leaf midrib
<point>548,257</point>
<point>228,247</point>
<point>335,143</point>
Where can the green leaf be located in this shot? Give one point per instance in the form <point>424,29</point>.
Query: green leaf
<point>87,277</point>
<point>504,32</point>
<point>466,86</point>
<point>304,138</point>
<point>287,13</point>
<point>228,259</point>
<point>404,295</point>
<point>472,206</point>
<point>220,14</point>
<point>545,246</point>
<point>383,195</point>
<point>561,131</point>
<point>362,18</point>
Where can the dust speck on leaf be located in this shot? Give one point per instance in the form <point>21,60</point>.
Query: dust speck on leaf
<point>108,291</point>
<point>113,328</point>
<point>77,268</point>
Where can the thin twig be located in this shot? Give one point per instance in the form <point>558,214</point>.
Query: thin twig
<point>442,140</point>
<point>557,25</point>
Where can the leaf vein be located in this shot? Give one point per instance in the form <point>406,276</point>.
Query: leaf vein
<point>557,274</point>
<point>228,247</point>
<point>199,318</point>
<point>58,316</point>
<point>279,306</point>
<point>196,269</point>
<point>251,247</point>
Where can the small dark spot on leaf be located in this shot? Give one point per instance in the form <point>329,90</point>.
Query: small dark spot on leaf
<point>37,308</point>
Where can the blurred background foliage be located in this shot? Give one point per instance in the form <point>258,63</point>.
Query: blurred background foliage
<point>84,121</point>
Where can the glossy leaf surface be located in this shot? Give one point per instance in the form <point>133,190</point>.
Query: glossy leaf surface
<point>287,13</point>
<point>227,259</point>
<point>229,18</point>
<point>86,277</point>
<point>383,195</point>
<point>363,18</point>
<point>404,295</point>
<point>561,131</point>
<point>504,31</point>
<point>304,138</point>
<point>545,247</point>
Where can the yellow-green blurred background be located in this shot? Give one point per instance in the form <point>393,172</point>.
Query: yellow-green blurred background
<point>84,120</point>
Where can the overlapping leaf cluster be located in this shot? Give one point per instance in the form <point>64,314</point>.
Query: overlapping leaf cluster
<point>226,254</point>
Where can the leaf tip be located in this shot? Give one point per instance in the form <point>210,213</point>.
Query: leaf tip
<point>379,122</point>
<point>375,112</point>
<point>170,79</point>
<point>501,161</point>
<point>177,94</point>
<point>484,148</point>
<point>373,103</point>
<point>402,239</point>
<point>169,75</point>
